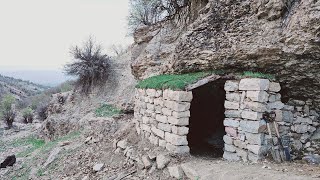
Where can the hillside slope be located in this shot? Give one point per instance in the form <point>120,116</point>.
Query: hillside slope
<point>18,88</point>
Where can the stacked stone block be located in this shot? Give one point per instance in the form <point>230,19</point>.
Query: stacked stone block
<point>246,100</point>
<point>163,118</point>
<point>298,120</point>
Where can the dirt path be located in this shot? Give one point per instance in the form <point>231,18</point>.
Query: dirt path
<point>198,168</point>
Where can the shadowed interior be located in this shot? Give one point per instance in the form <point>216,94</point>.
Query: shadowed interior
<point>206,127</point>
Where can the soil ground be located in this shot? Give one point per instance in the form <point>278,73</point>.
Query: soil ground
<point>73,156</point>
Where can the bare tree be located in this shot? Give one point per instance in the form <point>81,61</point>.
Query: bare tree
<point>149,12</point>
<point>90,65</point>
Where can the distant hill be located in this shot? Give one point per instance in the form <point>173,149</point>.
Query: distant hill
<point>45,77</point>
<point>20,89</point>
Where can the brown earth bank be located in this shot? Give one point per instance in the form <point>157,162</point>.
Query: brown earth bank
<point>275,36</point>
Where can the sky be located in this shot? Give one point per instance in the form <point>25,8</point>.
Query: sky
<point>38,34</point>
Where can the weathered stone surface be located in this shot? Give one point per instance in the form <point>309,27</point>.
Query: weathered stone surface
<point>146,161</point>
<point>177,149</point>
<point>232,113</point>
<point>255,106</point>
<point>251,115</point>
<point>151,92</point>
<point>158,93</point>
<point>98,167</point>
<point>316,135</point>
<point>166,111</point>
<point>257,149</point>
<point>153,139</point>
<point>180,130</point>
<point>254,157</point>
<point>161,118</point>
<point>231,122</point>
<point>230,156</point>
<point>176,139</point>
<point>178,121</point>
<point>240,144</point>
<point>275,105</point>
<point>157,132</point>
<point>146,127</point>
<point>150,106</point>
<point>231,105</point>
<point>175,171</point>
<point>162,161</point>
<point>254,84</point>
<point>227,139</point>
<point>253,126</point>
<point>243,154</point>
<point>181,106</point>
<point>233,97</point>
<point>258,96</point>
<point>146,120</point>
<point>164,127</point>
<point>229,148</point>
<point>274,87</point>
<point>272,98</point>
<point>257,139</point>
<point>297,145</point>
<point>231,86</point>
<point>162,143</point>
<point>122,144</point>
<point>158,101</point>
<point>287,116</point>
<point>301,128</point>
<point>302,120</point>
<point>182,114</point>
<point>231,131</point>
<point>180,96</point>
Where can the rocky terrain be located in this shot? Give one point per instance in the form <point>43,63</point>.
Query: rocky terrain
<point>277,37</point>
<point>109,148</point>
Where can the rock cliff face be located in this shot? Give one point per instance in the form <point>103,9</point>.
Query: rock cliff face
<point>280,37</point>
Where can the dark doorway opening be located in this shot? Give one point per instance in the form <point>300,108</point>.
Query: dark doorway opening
<point>206,129</point>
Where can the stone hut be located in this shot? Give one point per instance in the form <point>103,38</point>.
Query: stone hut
<point>223,118</point>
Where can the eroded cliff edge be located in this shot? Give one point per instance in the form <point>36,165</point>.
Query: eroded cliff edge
<point>280,37</point>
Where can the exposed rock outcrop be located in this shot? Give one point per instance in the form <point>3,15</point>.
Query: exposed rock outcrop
<point>280,37</point>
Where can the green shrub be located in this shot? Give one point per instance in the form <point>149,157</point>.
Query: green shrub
<point>42,111</point>
<point>7,113</point>
<point>27,115</point>
<point>107,110</point>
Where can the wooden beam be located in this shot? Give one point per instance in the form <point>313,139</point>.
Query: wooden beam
<point>202,82</point>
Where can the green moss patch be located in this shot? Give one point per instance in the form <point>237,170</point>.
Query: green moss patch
<point>173,81</point>
<point>250,74</point>
<point>107,110</point>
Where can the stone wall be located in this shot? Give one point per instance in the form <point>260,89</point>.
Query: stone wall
<point>163,118</point>
<point>246,100</point>
<point>246,134</point>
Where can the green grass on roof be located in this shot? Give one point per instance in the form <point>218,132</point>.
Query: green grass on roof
<point>172,81</point>
<point>257,75</point>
